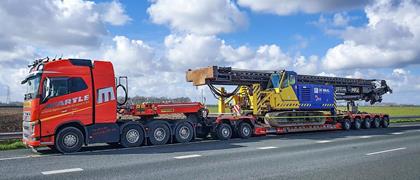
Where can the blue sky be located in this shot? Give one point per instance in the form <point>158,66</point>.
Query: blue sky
<point>154,42</point>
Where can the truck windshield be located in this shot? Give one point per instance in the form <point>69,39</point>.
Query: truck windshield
<point>32,86</point>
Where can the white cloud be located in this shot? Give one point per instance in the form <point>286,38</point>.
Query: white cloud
<point>390,39</point>
<point>148,74</point>
<point>132,57</point>
<point>267,57</point>
<point>399,72</point>
<point>341,19</point>
<point>114,14</point>
<point>192,51</point>
<point>286,7</point>
<point>30,28</point>
<point>306,66</point>
<point>204,17</point>
<point>55,23</point>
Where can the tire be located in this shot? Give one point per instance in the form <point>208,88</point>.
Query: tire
<point>366,123</point>
<point>69,140</point>
<point>132,136</point>
<point>357,124</point>
<point>385,122</point>
<point>244,130</point>
<point>224,132</point>
<point>159,134</point>
<point>345,124</point>
<point>376,122</point>
<point>184,132</point>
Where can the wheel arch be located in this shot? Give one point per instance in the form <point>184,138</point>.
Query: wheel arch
<point>75,123</point>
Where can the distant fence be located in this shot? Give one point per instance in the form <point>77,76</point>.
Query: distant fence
<point>11,135</point>
<point>11,106</point>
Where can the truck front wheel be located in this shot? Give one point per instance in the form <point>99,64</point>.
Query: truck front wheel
<point>132,136</point>
<point>69,139</point>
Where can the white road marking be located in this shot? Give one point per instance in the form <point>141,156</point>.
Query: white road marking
<point>364,137</point>
<point>397,133</point>
<point>324,141</point>
<point>406,125</point>
<point>21,157</point>
<point>11,158</point>
<point>187,156</point>
<point>385,151</point>
<point>61,171</point>
<point>267,147</point>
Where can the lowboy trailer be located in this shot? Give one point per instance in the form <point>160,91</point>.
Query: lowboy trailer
<point>70,103</point>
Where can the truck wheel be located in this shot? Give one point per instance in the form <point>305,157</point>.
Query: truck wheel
<point>376,122</point>
<point>357,123</point>
<point>132,136</point>
<point>159,134</point>
<point>69,139</point>
<point>184,132</point>
<point>385,122</point>
<point>245,130</point>
<point>346,124</point>
<point>366,123</point>
<point>224,132</point>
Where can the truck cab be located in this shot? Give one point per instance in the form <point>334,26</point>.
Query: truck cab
<point>64,93</point>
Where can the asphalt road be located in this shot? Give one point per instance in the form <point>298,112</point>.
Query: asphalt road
<point>392,153</point>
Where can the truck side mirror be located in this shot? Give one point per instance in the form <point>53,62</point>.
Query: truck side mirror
<point>46,89</point>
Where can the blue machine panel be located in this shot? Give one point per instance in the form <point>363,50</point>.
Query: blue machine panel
<point>312,96</point>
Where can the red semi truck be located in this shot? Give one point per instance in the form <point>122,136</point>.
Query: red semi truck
<point>73,102</point>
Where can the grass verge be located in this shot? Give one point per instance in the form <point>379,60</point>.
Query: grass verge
<point>11,144</point>
<point>404,120</point>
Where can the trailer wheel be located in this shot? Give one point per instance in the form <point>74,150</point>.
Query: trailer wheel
<point>132,136</point>
<point>245,130</point>
<point>385,122</point>
<point>346,125</point>
<point>69,139</point>
<point>366,123</point>
<point>357,123</point>
<point>159,134</point>
<point>376,122</point>
<point>184,132</point>
<point>224,132</point>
